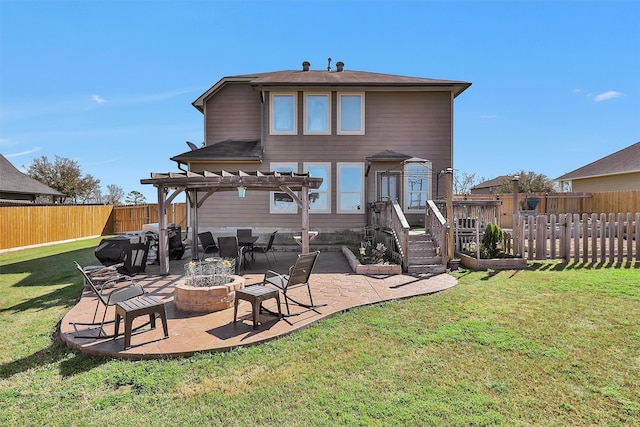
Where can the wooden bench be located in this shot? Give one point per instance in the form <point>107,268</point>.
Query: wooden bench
<point>130,309</point>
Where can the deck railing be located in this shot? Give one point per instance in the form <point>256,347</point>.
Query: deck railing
<point>439,229</point>
<point>389,215</point>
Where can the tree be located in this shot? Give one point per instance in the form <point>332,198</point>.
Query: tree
<point>114,195</point>
<point>464,182</point>
<point>530,182</point>
<point>65,176</point>
<point>135,198</point>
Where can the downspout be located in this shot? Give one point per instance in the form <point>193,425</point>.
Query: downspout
<point>261,120</point>
<point>366,193</point>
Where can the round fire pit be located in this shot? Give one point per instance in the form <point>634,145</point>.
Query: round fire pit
<point>206,299</point>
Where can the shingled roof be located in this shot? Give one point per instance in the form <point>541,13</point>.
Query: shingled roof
<point>626,160</point>
<point>16,185</point>
<point>346,78</point>
<point>230,150</point>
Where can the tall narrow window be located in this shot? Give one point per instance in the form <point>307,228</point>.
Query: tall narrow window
<point>283,114</point>
<point>350,188</point>
<point>317,110</point>
<point>417,178</point>
<point>320,199</point>
<point>283,203</point>
<point>351,114</point>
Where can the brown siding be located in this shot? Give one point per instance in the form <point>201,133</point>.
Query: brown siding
<point>234,112</point>
<point>414,123</point>
<point>628,181</point>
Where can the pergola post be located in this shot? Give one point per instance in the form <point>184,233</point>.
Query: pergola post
<point>305,220</point>
<point>163,241</point>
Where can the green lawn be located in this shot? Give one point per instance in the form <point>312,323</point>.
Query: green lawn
<point>554,345</point>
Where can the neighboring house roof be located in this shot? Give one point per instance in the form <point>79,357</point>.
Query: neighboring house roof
<point>626,160</point>
<point>12,181</point>
<point>344,78</point>
<point>230,150</point>
<point>495,182</point>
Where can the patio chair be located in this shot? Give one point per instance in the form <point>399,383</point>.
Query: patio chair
<point>229,249</point>
<point>108,299</point>
<point>266,249</point>
<point>299,275</point>
<point>208,244</point>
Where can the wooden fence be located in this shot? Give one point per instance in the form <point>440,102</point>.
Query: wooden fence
<point>582,238</point>
<point>32,225</point>
<point>562,203</point>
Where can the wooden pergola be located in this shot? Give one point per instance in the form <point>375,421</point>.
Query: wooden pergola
<point>199,186</point>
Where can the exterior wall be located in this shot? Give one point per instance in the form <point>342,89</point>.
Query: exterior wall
<point>234,112</point>
<point>628,181</point>
<point>417,124</point>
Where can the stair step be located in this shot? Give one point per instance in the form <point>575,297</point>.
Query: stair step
<point>427,268</point>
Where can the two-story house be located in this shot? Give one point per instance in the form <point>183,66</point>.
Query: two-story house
<point>369,136</point>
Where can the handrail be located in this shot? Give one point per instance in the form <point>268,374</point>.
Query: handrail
<point>389,215</point>
<point>439,227</point>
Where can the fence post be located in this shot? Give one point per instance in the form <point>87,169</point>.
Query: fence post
<point>594,238</point>
<point>612,234</point>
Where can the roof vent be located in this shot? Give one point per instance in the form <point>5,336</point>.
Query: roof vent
<point>329,64</point>
<point>306,65</point>
<point>340,66</point>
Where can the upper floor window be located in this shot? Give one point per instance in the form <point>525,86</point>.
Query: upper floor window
<point>283,113</point>
<point>317,113</point>
<point>350,188</point>
<point>350,114</point>
<point>320,198</point>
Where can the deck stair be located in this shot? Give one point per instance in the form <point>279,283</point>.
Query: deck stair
<point>422,254</point>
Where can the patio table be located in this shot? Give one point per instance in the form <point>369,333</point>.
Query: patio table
<point>247,242</point>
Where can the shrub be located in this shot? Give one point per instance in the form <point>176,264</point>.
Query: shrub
<point>491,241</point>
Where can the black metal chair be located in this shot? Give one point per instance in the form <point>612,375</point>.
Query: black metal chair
<point>268,248</point>
<point>208,244</point>
<point>107,298</point>
<point>299,275</point>
<point>228,248</point>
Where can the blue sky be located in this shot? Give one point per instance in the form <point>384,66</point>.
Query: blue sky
<point>109,84</point>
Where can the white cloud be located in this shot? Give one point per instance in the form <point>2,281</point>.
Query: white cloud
<point>22,153</point>
<point>98,99</point>
<point>577,90</point>
<point>607,95</point>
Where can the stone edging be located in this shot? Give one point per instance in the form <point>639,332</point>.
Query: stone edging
<point>358,268</point>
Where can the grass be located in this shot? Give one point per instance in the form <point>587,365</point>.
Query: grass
<point>553,345</point>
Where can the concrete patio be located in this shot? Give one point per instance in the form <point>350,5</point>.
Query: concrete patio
<point>333,286</point>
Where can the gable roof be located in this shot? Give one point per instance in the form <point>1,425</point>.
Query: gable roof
<point>15,182</point>
<point>230,150</point>
<point>346,78</point>
<point>626,160</point>
<point>495,182</point>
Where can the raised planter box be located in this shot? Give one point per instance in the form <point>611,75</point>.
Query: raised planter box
<point>358,268</point>
<point>492,263</point>
<point>206,299</point>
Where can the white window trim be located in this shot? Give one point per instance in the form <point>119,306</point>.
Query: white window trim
<point>272,210</point>
<point>326,182</point>
<point>272,96</point>
<point>405,187</point>
<point>339,130</point>
<point>339,209</point>
<point>306,117</point>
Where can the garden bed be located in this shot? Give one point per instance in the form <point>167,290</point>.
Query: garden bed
<point>507,262</point>
<point>370,269</point>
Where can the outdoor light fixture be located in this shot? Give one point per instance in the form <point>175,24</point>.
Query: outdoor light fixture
<point>242,191</point>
